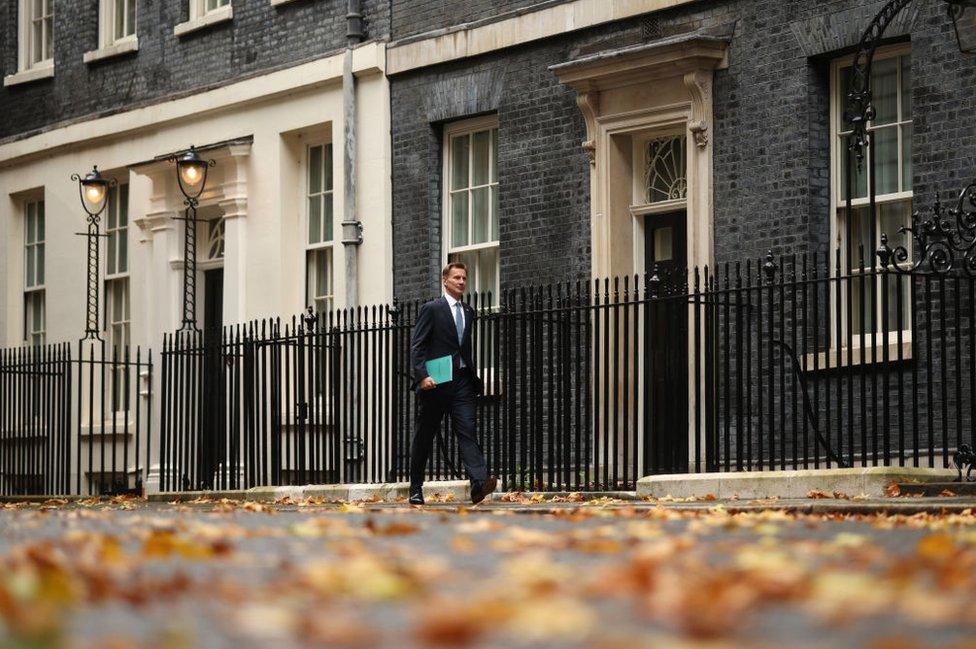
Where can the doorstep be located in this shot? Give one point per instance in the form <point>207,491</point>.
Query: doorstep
<point>749,485</point>
<point>447,490</point>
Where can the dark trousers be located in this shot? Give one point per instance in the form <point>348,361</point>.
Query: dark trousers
<point>457,398</point>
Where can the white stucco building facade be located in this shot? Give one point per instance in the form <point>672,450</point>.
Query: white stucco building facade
<point>263,133</point>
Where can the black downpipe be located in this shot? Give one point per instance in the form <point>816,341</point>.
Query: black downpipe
<point>354,23</point>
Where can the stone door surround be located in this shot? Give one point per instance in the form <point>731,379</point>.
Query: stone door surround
<point>663,87</point>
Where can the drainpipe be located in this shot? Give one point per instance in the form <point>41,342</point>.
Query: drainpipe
<point>352,227</point>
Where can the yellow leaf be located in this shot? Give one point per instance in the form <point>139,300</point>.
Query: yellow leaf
<point>936,547</point>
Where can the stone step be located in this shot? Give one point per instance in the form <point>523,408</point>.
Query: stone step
<point>937,488</point>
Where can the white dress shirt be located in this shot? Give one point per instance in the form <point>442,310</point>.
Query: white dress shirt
<point>451,302</point>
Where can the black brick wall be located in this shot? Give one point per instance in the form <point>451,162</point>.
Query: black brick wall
<point>260,37</point>
<point>771,136</point>
<point>411,17</point>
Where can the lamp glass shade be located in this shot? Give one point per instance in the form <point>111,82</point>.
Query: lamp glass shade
<point>94,191</point>
<point>94,194</point>
<point>192,172</point>
<point>963,13</point>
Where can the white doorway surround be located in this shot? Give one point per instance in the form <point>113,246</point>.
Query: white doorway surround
<point>226,198</point>
<point>648,114</point>
<point>631,95</point>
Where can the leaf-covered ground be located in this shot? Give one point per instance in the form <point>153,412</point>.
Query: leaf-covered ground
<point>125,573</point>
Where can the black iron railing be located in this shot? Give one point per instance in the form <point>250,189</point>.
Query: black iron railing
<point>799,362</point>
<point>74,424</point>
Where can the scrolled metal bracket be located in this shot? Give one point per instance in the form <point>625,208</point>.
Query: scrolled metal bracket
<point>860,109</point>
<point>964,458</point>
<point>944,239</point>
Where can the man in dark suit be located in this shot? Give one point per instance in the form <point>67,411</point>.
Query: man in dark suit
<point>444,328</point>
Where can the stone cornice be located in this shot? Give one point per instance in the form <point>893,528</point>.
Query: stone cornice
<point>540,21</point>
<point>368,59</point>
<point>646,62</point>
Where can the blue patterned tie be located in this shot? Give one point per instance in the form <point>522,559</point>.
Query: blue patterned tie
<point>458,321</point>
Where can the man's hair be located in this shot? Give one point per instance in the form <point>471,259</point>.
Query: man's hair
<point>453,264</point>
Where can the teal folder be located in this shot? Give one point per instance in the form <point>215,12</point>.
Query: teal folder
<point>440,369</point>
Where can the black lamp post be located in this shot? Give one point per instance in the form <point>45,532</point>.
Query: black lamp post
<point>93,190</point>
<point>191,173</point>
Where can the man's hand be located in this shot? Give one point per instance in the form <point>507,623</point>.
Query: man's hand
<point>427,384</point>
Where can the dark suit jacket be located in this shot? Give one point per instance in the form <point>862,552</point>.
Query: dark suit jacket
<point>435,335</point>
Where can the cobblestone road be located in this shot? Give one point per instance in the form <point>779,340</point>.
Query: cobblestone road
<point>606,575</point>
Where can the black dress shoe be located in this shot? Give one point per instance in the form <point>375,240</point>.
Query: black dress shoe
<point>417,498</point>
<point>479,490</point>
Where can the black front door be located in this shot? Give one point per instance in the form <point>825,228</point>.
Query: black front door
<point>666,336</point>
<point>212,442</point>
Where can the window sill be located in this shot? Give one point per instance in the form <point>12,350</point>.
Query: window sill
<point>44,71</point>
<point>852,357</point>
<point>275,3</point>
<point>124,46</point>
<point>219,15</point>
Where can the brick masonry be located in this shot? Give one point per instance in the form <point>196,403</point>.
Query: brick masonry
<point>260,38</point>
<point>771,140</point>
<point>412,17</point>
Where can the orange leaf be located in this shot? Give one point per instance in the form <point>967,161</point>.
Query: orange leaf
<point>936,547</point>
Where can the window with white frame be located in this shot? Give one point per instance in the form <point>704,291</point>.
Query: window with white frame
<point>858,234</point>
<point>663,170</point>
<point>117,266</point>
<point>36,33</point>
<point>200,8</point>
<point>215,238</point>
<point>471,201</point>
<point>34,307</point>
<point>318,217</point>
<point>118,21</point>
<point>117,321</point>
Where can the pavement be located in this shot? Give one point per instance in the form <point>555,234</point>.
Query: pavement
<point>525,570</point>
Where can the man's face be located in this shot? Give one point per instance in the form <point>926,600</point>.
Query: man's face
<point>455,282</point>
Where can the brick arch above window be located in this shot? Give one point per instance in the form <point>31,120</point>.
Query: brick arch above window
<point>841,30</point>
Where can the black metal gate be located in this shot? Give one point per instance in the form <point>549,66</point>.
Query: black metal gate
<point>74,425</point>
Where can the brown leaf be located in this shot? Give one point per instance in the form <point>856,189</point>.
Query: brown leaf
<point>450,625</point>
<point>818,494</point>
<point>892,490</point>
<point>947,493</point>
<point>395,528</point>
<point>251,506</point>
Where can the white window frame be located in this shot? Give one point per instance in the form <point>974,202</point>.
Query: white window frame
<point>839,228</point>
<point>109,19</point>
<point>36,54</point>
<point>29,67</point>
<point>118,275</point>
<point>639,203</point>
<point>35,291</point>
<point>215,238</point>
<point>200,8</point>
<point>110,42</point>
<point>203,14</point>
<point>468,128</point>
<point>316,252</point>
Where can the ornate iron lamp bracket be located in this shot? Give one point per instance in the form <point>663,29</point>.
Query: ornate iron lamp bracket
<point>860,110</point>
<point>93,237</point>
<point>189,218</point>
<point>944,241</point>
